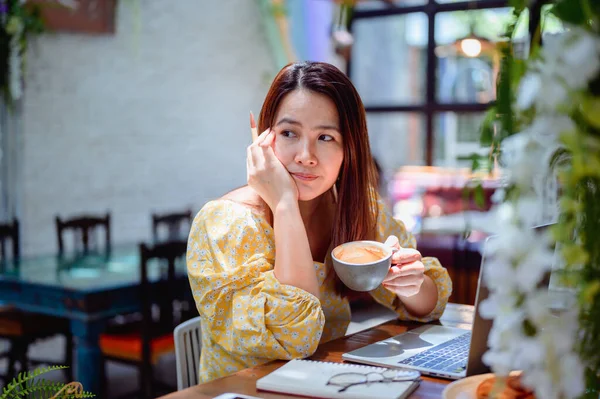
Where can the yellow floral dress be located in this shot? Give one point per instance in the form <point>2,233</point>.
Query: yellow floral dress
<point>248,317</point>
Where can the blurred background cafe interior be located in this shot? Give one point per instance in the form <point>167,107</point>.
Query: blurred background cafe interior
<point>121,118</point>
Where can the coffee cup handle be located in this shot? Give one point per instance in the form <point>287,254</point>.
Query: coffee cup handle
<point>394,250</point>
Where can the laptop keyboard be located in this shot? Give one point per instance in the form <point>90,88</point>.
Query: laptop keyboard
<point>450,356</point>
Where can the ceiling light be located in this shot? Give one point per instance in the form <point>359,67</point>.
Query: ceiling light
<point>471,47</point>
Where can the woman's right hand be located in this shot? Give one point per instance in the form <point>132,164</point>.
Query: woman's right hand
<point>266,174</point>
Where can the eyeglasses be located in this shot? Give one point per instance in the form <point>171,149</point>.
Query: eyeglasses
<point>347,380</point>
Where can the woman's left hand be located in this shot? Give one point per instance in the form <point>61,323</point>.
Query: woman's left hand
<point>406,275</point>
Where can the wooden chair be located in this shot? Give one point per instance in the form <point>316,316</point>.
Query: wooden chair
<point>460,256</point>
<point>173,222</point>
<point>9,232</point>
<point>23,328</point>
<point>188,347</point>
<point>83,227</point>
<point>142,345</point>
<point>177,226</point>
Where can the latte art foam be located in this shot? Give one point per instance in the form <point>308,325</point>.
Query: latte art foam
<point>360,254</point>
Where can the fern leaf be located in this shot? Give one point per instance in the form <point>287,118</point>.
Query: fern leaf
<point>23,377</point>
<point>36,387</point>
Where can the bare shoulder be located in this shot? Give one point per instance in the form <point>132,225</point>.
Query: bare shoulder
<point>243,195</point>
<point>249,198</point>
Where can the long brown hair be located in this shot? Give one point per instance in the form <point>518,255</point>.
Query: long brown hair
<point>356,213</point>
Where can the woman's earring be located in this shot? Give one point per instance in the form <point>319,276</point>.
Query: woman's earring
<point>335,193</point>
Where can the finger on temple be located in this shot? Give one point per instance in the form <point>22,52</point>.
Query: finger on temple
<point>268,140</point>
<point>262,136</point>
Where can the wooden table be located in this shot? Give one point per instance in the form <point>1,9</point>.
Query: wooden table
<point>244,381</point>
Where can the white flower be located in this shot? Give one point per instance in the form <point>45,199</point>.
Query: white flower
<point>541,382</point>
<point>572,375</point>
<point>568,61</point>
<point>498,196</point>
<point>499,362</point>
<point>499,277</point>
<point>528,91</point>
<point>562,336</point>
<point>552,49</point>
<point>533,266</point>
<point>507,329</point>
<point>519,258</point>
<point>525,165</point>
<point>572,57</point>
<point>529,353</point>
<point>513,243</point>
<point>581,57</point>
<point>489,307</point>
<point>536,306</point>
<point>528,209</point>
<point>541,89</point>
<point>504,214</point>
<point>547,128</point>
<point>496,304</point>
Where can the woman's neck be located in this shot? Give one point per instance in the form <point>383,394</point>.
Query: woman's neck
<point>309,209</point>
<point>317,211</point>
<point>317,217</point>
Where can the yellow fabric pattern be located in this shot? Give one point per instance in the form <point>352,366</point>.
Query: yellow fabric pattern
<point>248,317</point>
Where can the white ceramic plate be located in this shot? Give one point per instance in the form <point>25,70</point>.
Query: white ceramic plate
<point>465,388</point>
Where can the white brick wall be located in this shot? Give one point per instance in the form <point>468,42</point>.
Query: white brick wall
<point>136,123</point>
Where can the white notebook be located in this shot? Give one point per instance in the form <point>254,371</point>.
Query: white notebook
<point>310,378</point>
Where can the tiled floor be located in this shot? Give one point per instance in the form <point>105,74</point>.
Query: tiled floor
<point>123,379</point>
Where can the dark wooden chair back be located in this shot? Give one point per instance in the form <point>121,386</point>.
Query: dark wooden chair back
<point>174,223</point>
<point>83,228</point>
<point>9,232</point>
<point>460,256</point>
<point>166,254</point>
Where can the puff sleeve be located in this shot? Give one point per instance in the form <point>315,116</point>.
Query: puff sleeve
<point>244,310</point>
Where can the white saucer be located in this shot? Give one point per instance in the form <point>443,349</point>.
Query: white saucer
<point>465,388</point>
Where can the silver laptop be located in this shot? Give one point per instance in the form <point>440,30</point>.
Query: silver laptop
<point>436,350</point>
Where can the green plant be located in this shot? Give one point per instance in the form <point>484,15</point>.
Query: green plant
<point>18,22</point>
<point>551,98</point>
<point>28,385</point>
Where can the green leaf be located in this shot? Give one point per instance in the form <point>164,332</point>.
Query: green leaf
<point>519,67</point>
<point>569,11</point>
<point>590,110</point>
<point>486,129</point>
<point>595,6</point>
<point>518,4</point>
<point>529,328</point>
<point>590,291</point>
<point>479,196</point>
<point>17,385</point>
<point>594,85</point>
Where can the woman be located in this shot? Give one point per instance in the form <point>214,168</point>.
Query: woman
<point>311,182</point>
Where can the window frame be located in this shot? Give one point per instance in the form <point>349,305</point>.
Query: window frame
<point>431,107</point>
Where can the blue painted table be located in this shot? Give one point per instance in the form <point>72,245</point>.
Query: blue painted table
<point>87,290</point>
